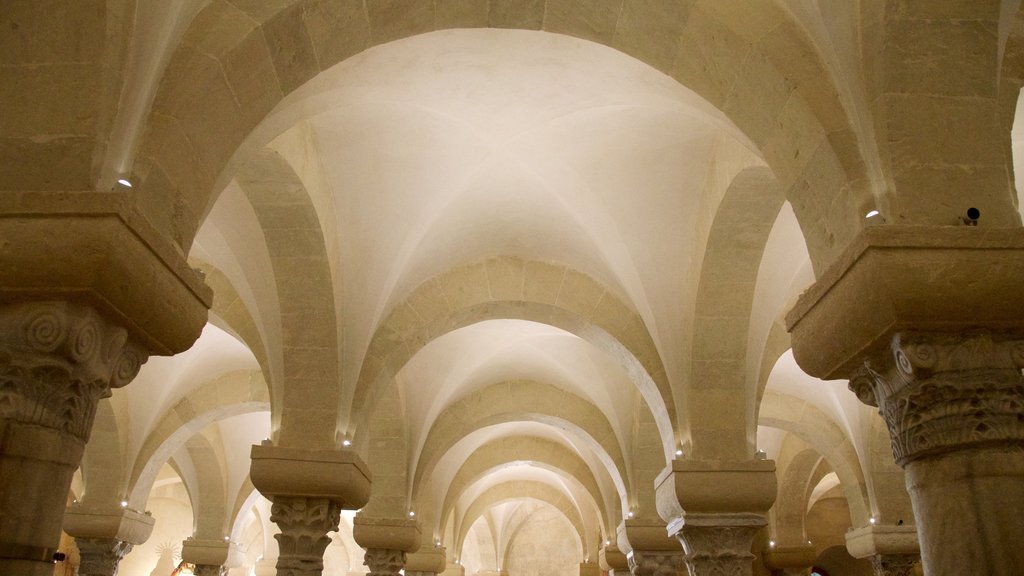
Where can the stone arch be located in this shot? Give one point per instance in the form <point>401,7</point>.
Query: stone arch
<point>575,488</point>
<point>512,288</point>
<point>752,61</point>
<point>209,498</point>
<point>244,501</point>
<point>298,254</point>
<point>814,427</point>
<point>230,313</point>
<point>231,394</point>
<point>497,404</point>
<point>509,491</point>
<point>539,452</point>
<point>725,295</point>
<point>791,504</point>
<point>104,473</point>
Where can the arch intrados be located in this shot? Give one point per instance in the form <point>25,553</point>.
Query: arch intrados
<point>828,439</point>
<point>609,455</point>
<point>510,541</point>
<point>541,493</point>
<point>333,34</point>
<point>557,459</point>
<point>453,497</point>
<point>654,394</point>
<point>163,447</point>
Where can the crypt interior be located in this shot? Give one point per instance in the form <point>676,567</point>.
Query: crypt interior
<point>511,287</point>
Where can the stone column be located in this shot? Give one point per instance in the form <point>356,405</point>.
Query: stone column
<point>89,290</point>
<point>724,506</point>
<point>954,405</point>
<point>57,360</point>
<point>927,325</point>
<point>105,534</point>
<point>387,542</point>
<point>308,489</point>
<point>589,569</point>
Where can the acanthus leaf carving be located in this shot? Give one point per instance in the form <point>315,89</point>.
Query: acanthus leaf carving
<point>304,524</point>
<point>384,561</point>
<point>941,392</point>
<point>57,360</point>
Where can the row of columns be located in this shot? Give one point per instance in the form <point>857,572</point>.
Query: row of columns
<point>945,377</point>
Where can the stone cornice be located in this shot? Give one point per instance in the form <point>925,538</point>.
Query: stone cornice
<point>97,249</point>
<point>897,278</point>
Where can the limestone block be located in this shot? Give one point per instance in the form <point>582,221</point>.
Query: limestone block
<point>394,19</point>
<point>783,557</point>
<point>335,474</point>
<point>113,260</point>
<point>649,535</point>
<point>426,560</point>
<point>721,487</point>
<point>519,14</point>
<point>387,533</point>
<point>897,276</point>
<point>588,19</point>
<point>650,30</point>
<point>461,13</point>
<point>113,523</point>
<point>208,552</point>
<point>877,539</point>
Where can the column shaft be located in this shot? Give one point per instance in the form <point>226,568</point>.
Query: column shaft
<point>954,405</point>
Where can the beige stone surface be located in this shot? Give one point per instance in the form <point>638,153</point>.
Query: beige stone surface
<point>512,259</point>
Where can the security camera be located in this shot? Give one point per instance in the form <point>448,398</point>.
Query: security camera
<point>971,219</point>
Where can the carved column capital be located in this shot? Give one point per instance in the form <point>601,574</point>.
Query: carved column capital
<point>304,524</point>
<point>719,544</point>
<point>57,360</point>
<point>101,556</point>
<point>655,562</point>
<point>384,561</point>
<point>894,564</point>
<point>942,392</point>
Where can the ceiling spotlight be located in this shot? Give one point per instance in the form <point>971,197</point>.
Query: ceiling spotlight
<point>630,515</point>
<point>124,503</point>
<point>872,520</point>
<point>125,182</point>
<point>346,442</point>
<point>871,214</point>
<point>411,514</point>
<point>771,543</point>
<point>679,452</point>
<point>760,455</point>
<point>227,538</point>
